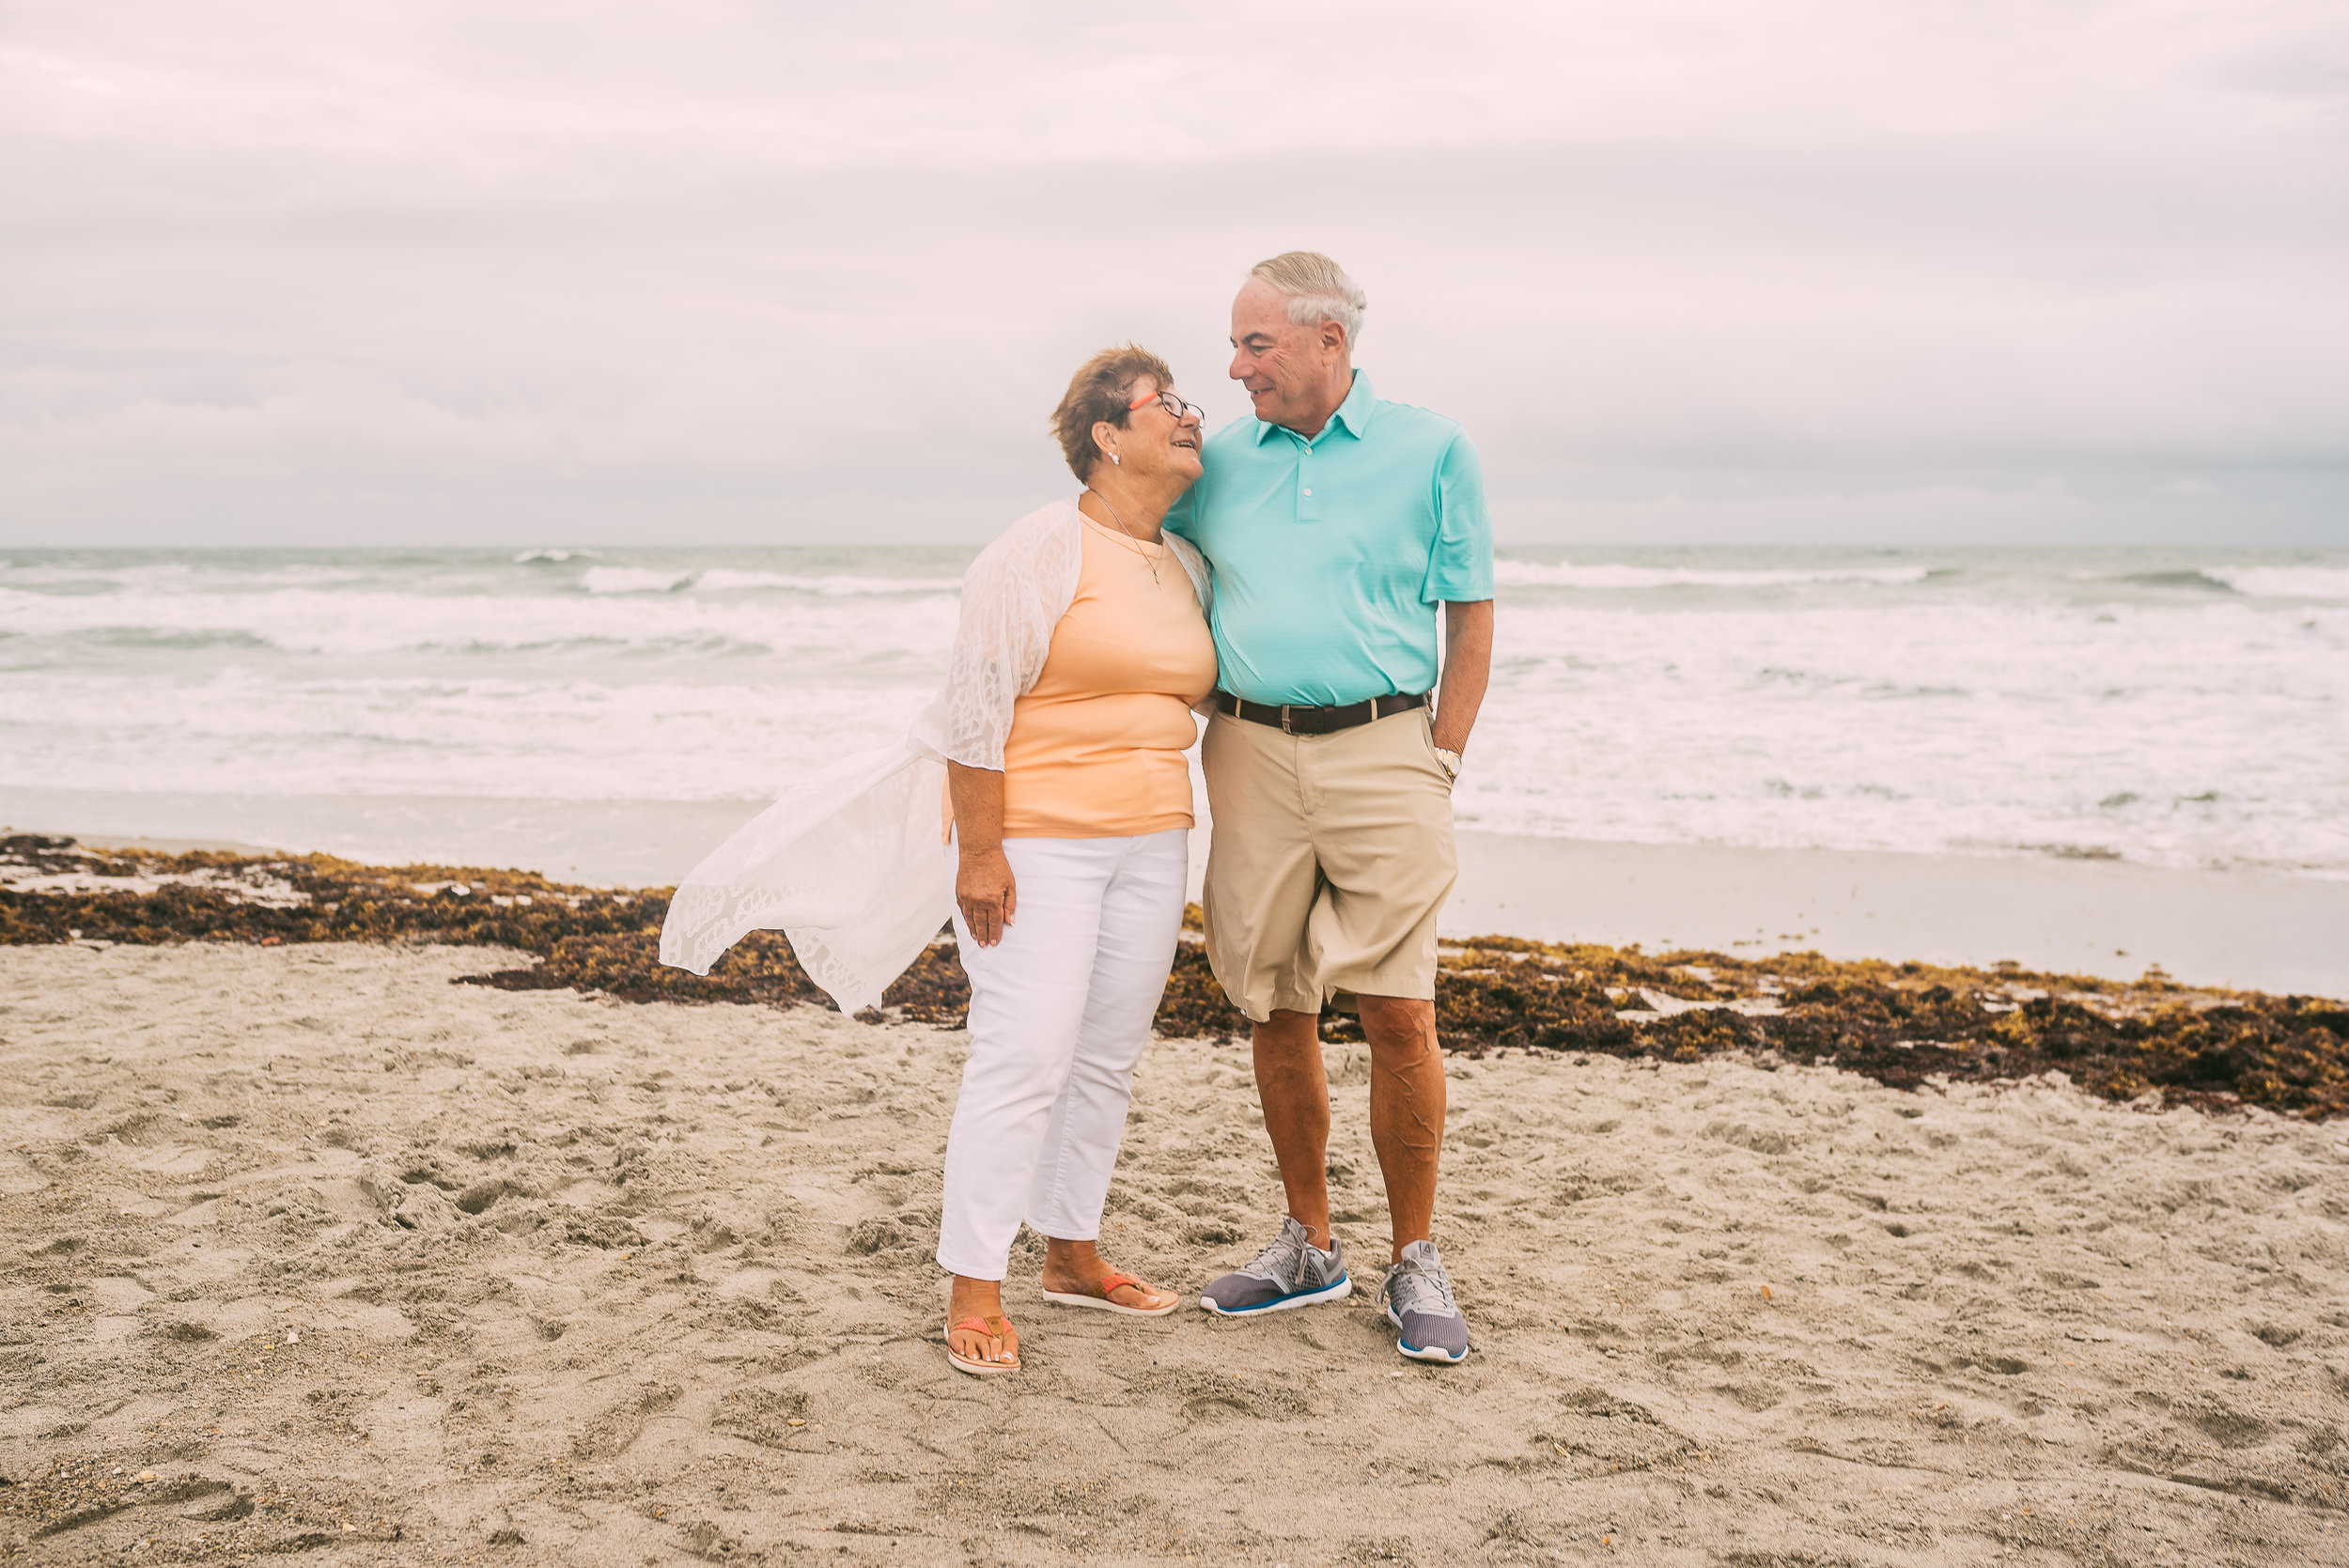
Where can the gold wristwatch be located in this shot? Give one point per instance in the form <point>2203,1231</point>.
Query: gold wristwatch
<point>1451,760</point>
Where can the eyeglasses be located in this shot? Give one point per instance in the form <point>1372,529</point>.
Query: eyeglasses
<point>1172,404</point>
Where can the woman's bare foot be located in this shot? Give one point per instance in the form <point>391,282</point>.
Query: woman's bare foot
<point>1076,1269</point>
<point>982,1299</point>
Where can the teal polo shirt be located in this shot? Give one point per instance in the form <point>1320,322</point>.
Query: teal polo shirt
<point>1331,554</point>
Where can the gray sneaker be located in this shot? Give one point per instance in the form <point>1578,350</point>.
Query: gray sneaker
<point>1418,1303</point>
<point>1292,1272</point>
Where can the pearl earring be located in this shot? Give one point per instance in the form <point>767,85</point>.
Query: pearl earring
<point>1117,461</point>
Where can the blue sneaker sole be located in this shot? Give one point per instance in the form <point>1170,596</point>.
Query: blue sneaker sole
<point>1343,1286</point>
<point>1422,1353</point>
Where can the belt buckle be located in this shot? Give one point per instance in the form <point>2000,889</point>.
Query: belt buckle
<point>1284,721</point>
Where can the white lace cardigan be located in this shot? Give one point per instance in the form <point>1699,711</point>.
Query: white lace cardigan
<point>849,865</point>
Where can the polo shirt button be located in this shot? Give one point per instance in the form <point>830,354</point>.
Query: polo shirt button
<point>1309,489</point>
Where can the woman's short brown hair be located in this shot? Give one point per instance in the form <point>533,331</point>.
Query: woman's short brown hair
<point>1100,391</point>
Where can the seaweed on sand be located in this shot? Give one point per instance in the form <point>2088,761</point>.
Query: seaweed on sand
<point>1900,1024</point>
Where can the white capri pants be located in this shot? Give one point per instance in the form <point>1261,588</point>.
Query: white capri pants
<point>1060,1010</point>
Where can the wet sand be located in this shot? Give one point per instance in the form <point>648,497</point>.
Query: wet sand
<point>2252,930</point>
<point>358,1262</point>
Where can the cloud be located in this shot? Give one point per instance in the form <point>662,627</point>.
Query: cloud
<point>295,274</point>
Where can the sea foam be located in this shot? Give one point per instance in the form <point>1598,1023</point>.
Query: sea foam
<point>1566,574</point>
<point>2328,583</point>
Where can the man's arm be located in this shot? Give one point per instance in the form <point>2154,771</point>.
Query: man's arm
<point>1467,665</point>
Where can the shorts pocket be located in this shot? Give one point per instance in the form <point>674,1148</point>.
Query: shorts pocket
<point>1428,741</point>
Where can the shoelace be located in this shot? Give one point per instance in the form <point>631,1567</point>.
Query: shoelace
<point>1283,1262</point>
<point>1280,1263</point>
<point>1414,1283</point>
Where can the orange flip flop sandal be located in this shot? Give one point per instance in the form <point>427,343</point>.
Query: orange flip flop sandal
<point>996,1326</point>
<point>1108,1284</point>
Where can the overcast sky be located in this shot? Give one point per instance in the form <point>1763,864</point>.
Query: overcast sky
<point>293,271</point>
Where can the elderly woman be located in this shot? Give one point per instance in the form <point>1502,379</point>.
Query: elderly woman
<point>1082,650</point>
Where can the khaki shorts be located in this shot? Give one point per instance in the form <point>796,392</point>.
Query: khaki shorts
<point>1332,856</point>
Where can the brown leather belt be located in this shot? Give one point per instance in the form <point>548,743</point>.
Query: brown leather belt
<point>1317,720</point>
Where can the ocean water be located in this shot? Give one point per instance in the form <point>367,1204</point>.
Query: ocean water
<point>2169,707</point>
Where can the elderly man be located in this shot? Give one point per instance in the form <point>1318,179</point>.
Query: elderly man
<point>1338,525</point>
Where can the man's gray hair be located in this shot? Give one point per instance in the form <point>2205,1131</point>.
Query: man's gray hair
<point>1318,290</point>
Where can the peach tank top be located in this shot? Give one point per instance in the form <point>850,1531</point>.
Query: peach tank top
<point>1097,744</point>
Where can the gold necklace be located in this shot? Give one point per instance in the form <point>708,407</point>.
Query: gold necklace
<point>1128,535</point>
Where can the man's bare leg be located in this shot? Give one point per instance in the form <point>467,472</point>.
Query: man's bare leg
<point>1295,1093</point>
<point>1406,1106</point>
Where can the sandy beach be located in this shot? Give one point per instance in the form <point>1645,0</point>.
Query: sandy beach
<point>312,1251</point>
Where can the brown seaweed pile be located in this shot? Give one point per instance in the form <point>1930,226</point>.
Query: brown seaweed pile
<point>1900,1024</point>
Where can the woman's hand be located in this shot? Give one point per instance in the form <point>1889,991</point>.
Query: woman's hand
<point>983,890</point>
<point>984,893</point>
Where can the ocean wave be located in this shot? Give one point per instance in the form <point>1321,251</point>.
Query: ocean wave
<point>2319,582</point>
<point>168,575</point>
<point>722,580</point>
<point>65,574</point>
<point>347,623</point>
<point>495,736</point>
<point>719,579</point>
<point>1565,574</point>
<point>2188,578</point>
<point>557,557</point>
<point>632,580</point>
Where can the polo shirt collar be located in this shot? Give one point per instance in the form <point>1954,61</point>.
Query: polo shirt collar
<point>1354,414</point>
